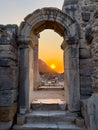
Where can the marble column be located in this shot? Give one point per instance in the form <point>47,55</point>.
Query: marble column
<point>71,75</point>
<point>35,64</point>
<point>24,78</point>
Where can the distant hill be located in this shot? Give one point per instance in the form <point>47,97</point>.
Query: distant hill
<point>44,68</point>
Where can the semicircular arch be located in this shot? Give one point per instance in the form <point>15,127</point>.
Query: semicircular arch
<point>48,18</point>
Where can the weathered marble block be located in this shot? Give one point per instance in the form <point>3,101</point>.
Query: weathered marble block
<point>8,78</point>
<point>85,85</point>
<point>8,97</point>
<point>8,54</point>
<point>7,62</point>
<point>85,16</point>
<point>89,109</point>
<point>85,80</point>
<point>71,63</point>
<point>86,90</point>
<point>7,41</point>
<point>72,80</point>
<point>4,41</point>
<point>8,71</point>
<point>72,51</point>
<point>86,71</point>
<point>7,113</point>
<point>85,53</point>
<point>6,125</point>
<point>8,48</point>
<point>85,63</point>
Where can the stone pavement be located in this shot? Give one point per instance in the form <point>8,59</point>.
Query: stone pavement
<point>48,93</point>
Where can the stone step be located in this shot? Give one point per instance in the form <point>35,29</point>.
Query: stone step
<point>51,88</point>
<point>48,126</point>
<point>48,106</point>
<point>45,94</point>
<point>49,116</point>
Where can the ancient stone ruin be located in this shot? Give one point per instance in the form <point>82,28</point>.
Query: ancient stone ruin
<point>77,23</point>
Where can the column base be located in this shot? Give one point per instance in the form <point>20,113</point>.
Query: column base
<point>20,119</point>
<point>22,111</point>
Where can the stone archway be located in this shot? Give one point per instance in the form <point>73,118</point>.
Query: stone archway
<point>65,26</point>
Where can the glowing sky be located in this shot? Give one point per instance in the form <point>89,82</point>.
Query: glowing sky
<point>14,11</point>
<point>49,46</point>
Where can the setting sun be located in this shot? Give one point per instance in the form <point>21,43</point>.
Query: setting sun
<point>50,51</point>
<point>53,66</point>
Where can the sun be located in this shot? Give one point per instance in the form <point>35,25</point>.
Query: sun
<point>53,66</point>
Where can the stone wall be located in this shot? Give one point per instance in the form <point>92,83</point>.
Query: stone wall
<point>8,75</point>
<point>86,15</point>
<point>90,106</point>
<point>82,13</point>
<point>85,49</point>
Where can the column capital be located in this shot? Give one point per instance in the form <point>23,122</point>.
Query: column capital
<point>71,40</point>
<point>23,46</point>
<point>26,41</point>
<point>63,45</point>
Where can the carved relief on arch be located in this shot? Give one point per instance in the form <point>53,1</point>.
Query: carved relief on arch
<point>48,18</point>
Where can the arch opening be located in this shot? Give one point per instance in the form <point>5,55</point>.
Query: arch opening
<point>65,26</point>
<point>50,64</point>
<point>48,75</point>
<point>50,49</point>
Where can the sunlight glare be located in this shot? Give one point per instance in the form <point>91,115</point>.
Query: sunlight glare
<point>53,66</point>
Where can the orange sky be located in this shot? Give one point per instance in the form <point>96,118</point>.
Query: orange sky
<point>49,49</point>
